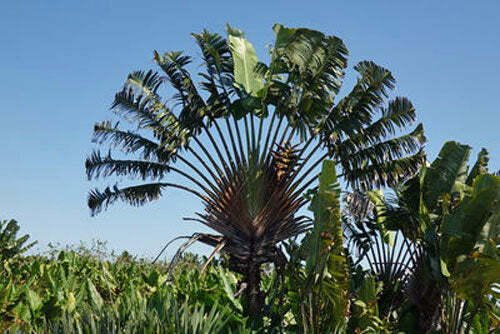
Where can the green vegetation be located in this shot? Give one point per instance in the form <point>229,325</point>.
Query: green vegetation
<point>248,140</point>
<point>410,262</point>
<point>10,245</point>
<point>409,246</point>
<point>79,291</point>
<point>437,252</point>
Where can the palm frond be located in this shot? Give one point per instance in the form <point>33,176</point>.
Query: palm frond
<point>216,52</point>
<point>387,173</point>
<point>391,256</point>
<point>356,157</point>
<point>98,165</point>
<point>135,195</point>
<point>313,65</point>
<point>454,315</point>
<point>363,146</point>
<point>370,91</point>
<point>398,115</point>
<point>146,82</point>
<point>151,115</point>
<point>131,142</point>
<point>218,63</point>
<point>372,88</point>
<point>193,105</point>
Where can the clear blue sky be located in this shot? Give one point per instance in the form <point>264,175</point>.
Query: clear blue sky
<point>62,62</point>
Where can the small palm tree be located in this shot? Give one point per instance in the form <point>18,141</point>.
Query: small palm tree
<point>11,245</point>
<point>249,143</point>
<point>443,258</point>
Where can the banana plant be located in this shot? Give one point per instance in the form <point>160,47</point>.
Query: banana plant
<point>450,214</point>
<point>366,317</point>
<point>11,245</point>
<point>321,288</point>
<point>80,291</point>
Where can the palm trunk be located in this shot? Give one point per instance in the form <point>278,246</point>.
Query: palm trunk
<point>254,297</point>
<point>429,311</point>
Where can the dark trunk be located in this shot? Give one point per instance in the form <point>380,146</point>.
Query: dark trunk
<point>254,297</point>
<point>429,309</point>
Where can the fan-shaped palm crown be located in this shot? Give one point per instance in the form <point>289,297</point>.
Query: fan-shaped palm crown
<point>248,143</point>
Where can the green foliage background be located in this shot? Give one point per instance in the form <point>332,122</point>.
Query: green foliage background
<point>75,291</point>
<point>346,275</point>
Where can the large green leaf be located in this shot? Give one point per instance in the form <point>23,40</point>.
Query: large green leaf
<point>229,281</point>
<point>470,240</point>
<point>448,169</point>
<point>11,245</point>
<point>326,264</point>
<point>479,212</point>
<point>302,48</point>
<point>33,299</point>
<point>313,65</point>
<point>245,59</point>
<point>377,198</point>
<point>94,296</point>
<point>365,316</point>
<point>326,208</point>
<point>480,167</point>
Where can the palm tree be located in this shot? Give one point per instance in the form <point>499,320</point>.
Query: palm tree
<point>248,143</point>
<point>440,267</point>
<point>12,246</point>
